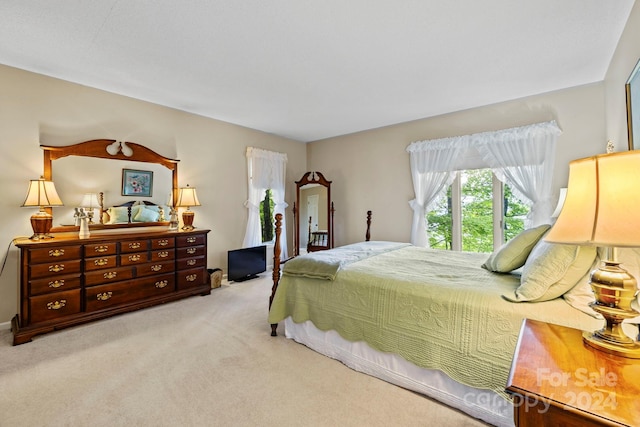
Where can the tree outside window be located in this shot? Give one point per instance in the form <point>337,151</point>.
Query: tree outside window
<point>266,216</point>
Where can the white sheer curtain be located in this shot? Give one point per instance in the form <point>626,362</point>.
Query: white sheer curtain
<point>523,157</point>
<point>266,170</point>
<point>432,170</point>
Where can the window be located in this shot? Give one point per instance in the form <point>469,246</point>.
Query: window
<point>266,216</point>
<point>478,213</point>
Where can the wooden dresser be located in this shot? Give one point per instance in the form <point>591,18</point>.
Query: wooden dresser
<point>66,281</point>
<point>557,380</point>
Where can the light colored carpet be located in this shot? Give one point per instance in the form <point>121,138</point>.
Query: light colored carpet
<point>202,361</point>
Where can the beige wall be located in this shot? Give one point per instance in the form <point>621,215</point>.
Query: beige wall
<point>625,58</point>
<point>370,170</point>
<point>211,153</point>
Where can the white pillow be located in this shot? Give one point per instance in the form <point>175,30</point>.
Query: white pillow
<point>551,270</point>
<point>514,253</point>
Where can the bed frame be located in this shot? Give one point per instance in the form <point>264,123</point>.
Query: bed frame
<point>277,251</point>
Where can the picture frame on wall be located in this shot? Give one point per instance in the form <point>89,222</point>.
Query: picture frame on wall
<point>137,183</point>
<point>632,88</point>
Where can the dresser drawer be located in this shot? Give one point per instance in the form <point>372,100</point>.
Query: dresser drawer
<point>191,240</point>
<point>191,278</point>
<point>107,296</point>
<point>190,252</point>
<point>136,258</point>
<point>155,268</point>
<point>100,249</point>
<point>61,283</point>
<point>48,270</point>
<point>92,264</point>
<point>38,256</point>
<point>167,242</point>
<point>134,246</point>
<point>187,263</point>
<point>53,306</point>
<point>109,275</point>
<point>163,255</point>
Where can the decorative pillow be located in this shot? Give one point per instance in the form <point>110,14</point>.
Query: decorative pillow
<point>551,270</point>
<point>119,214</point>
<point>581,295</point>
<point>514,253</point>
<point>146,215</point>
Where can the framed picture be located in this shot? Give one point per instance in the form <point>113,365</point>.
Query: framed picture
<point>137,183</point>
<point>633,108</point>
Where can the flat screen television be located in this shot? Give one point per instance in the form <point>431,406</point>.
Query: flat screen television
<point>247,263</point>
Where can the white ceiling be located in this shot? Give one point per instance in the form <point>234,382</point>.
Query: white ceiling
<point>308,69</point>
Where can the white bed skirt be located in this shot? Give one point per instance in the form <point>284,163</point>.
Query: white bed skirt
<point>485,405</point>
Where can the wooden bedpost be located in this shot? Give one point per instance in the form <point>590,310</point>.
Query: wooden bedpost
<point>367,236</point>
<point>277,249</point>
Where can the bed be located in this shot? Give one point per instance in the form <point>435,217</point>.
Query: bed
<point>435,322</point>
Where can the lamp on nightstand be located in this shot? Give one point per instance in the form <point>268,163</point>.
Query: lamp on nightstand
<point>187,197</point>
<point>41,193</point>
<point>602,208</point>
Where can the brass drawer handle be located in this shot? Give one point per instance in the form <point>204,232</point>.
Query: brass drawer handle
<point>191,251</point>
<point>134,257</point>
<point>191,262</point>
<point>56,268</point>
<point>101,262</point>
<point>110,275</point>
<point>101,249</point>
<point>191,277</point>
<point>156,267</point>
<point>164,242</point>
<point>134,245</point>
<point>56,252</point>
<point>104,296</point>
<point>191,239</point>
<point>161,284</point>
<point>163,254</point>
<point>56,305</point>
<point>56,283</point>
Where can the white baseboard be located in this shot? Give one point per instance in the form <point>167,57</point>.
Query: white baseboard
<point>5,325</point>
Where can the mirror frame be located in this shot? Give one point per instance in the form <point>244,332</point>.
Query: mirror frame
<point>632,87</point>
<point>319,179</point>
<point>98,148</point>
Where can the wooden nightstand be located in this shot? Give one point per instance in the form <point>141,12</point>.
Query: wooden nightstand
<point>557,380</point>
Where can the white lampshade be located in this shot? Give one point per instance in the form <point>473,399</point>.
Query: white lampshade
<point>602,206</point>
<point>90,200</point>
<point>42,193</point>
<point>187,197</point>
<point>561,199</point>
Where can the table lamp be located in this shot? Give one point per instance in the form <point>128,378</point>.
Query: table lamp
<point>42,194</point>
<point>89,202</point>
<point>602,208</point>
<point>187,197</point>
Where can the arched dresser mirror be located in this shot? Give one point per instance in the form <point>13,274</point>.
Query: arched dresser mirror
<point>313,213</point>
<point>110,149</point>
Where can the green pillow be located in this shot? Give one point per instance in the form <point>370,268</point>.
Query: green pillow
<point>146,215</point>
<point>119,214</point>
<point>514,253</point>
<point>551,270</point>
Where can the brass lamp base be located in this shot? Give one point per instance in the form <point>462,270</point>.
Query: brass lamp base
<point>41,223</point>
<point>187,220</point>
<point>614,289</point>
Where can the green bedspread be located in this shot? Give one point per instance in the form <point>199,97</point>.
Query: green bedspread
<point>437,309</point>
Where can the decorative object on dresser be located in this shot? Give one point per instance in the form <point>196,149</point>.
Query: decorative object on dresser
<point>41,193</point>
<point>601,209</point>
<point>69,281</point>
<point>187,197</point>
<point>313,201</point>
<point>89,203</point>
<point>556,380</point>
